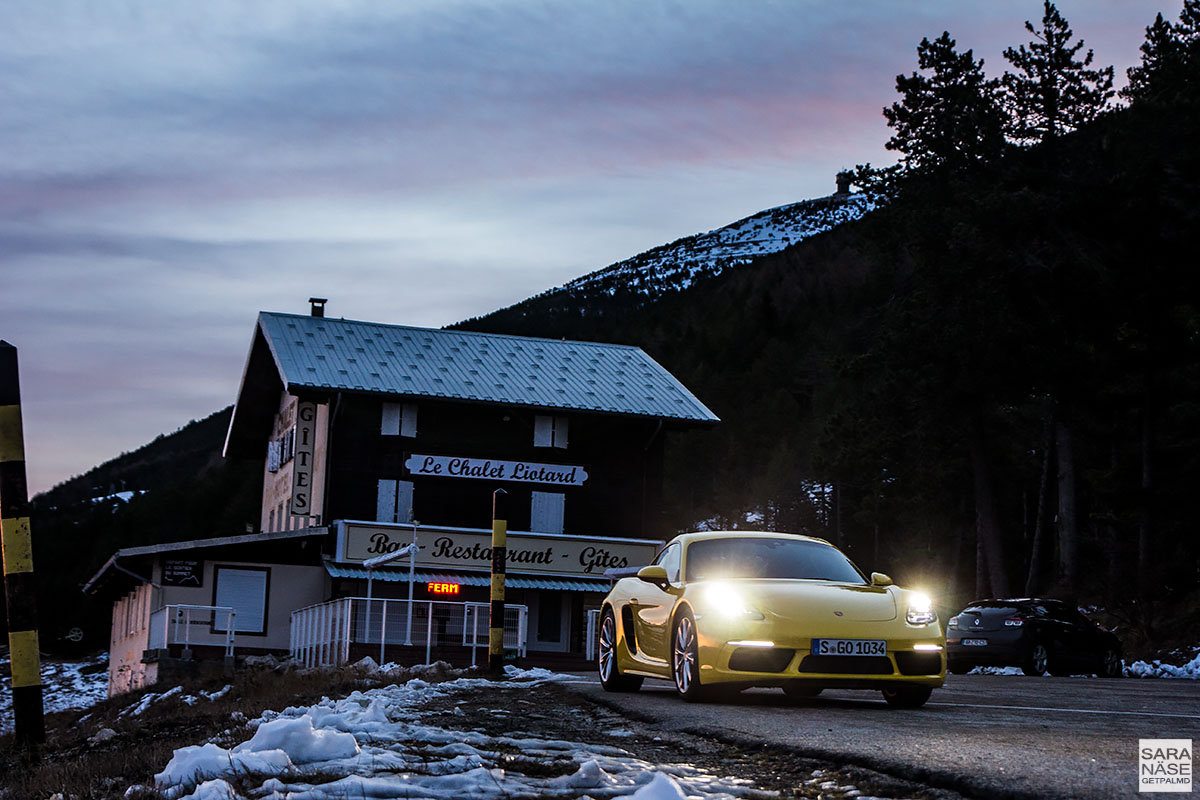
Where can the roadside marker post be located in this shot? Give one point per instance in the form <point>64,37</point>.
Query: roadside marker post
<point>29,723</point>
<point>499,565</point>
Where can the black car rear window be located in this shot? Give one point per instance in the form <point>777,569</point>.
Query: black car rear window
<point>769,558</point>
<point>987,608</point>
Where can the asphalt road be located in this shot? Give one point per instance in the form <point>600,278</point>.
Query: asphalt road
<point>981,735</point>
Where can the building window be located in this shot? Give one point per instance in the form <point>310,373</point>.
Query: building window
<point>546,515</point>
<point>550,431</point>
<point>394,502</point>
<point>244,589</point>
<point>399,419</point>
<point>281,450</point>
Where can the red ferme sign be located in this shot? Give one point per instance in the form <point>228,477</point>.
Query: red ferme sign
<point>442,588</point>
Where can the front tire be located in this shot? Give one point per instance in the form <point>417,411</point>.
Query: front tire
<point>907,696</point>
<point>606,658</point>
<point>685,660</point>
<point>1037,661</point>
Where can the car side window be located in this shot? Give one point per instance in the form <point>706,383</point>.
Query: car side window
<point>668,559</point>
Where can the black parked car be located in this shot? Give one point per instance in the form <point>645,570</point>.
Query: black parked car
<point>1033,634</point>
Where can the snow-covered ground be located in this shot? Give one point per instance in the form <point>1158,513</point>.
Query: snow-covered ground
<point>1136,669</point>
<point>1157,669</point>
<point>380,743</point>
<point>375,744</point>
<point>66,684</point>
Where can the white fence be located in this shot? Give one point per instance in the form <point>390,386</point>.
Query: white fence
<point>592,636</point>
<point>322,634</point>
<point>190,625</point>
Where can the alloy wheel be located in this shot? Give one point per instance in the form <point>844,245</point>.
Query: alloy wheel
<point>608,644</point>
<point>1038,660</point>
<point>683,654</point>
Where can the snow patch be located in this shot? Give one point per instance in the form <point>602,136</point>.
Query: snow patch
<point>373,744</point>
<point>1157,669</point>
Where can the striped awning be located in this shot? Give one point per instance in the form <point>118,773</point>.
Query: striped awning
<point>400,575</point>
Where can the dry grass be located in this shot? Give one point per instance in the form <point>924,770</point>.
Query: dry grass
<point>77,766</point>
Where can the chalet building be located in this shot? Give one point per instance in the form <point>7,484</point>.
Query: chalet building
<point>378,436</point>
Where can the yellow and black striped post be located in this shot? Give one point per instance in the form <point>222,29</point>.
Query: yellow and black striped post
<point>29,725</point>
<point>499,565</point>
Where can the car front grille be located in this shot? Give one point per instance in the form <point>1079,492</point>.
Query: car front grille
<point>761,659</point>
<point>847,665</point>
<point>918,663</point>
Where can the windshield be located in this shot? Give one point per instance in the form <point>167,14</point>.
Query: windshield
<point>768,558</point>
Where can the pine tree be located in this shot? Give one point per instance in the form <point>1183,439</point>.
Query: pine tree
<point>1053,92</point>
<point>1170,58</point>
<point>948,115</point>
<point>1160,58</point>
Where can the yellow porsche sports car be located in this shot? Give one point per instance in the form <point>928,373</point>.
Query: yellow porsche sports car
<point>728,610</point>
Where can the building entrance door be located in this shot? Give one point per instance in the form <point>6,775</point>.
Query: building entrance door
<point>550,622</point>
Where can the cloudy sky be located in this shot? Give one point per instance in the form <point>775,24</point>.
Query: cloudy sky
<point>168,169</point>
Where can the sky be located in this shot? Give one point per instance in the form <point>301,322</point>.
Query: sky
<point>168,170</point>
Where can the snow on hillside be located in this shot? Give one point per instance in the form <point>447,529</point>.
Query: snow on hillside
<point>677,265</point>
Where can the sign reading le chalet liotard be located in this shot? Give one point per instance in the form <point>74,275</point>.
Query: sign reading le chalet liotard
<point>492,469</point>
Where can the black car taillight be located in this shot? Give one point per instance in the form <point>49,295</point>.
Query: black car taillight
<point>1014,622</point>
<point>953,623</point>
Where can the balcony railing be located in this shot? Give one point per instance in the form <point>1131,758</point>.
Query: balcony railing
<point>322,634</point>
<point>191,625</point>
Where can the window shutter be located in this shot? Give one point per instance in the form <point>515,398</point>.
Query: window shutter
<point>390,424</point>
<point>274,449</point>
<point>560,432</point>
<point>546,514</point>
<point>385,503</point>
<point>543,431</point>
<point>404,501</point>
<point>245,590</point>
<point>408,420</point>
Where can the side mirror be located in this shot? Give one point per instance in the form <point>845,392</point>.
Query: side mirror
<point>879,579</point>
<point>655,573</point>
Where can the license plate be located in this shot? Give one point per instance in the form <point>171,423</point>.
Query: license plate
<point>849,647</point>
<point>975,642</point>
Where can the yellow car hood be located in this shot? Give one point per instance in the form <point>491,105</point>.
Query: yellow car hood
<point>796,600</point>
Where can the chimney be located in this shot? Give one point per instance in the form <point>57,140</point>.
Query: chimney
<point>318,306</point>
<point>843,183</point>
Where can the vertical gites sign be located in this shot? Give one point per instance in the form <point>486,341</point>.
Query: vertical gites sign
<point>302,466</point>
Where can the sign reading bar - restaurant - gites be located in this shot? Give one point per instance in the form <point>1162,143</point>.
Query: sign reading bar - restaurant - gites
<point>464,549</point>
<point>491,469</point>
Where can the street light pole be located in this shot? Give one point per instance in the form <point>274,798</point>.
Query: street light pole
<point>412,563</point>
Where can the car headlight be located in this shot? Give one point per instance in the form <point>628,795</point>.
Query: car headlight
<point>726,601</point>
<point>920,609</point>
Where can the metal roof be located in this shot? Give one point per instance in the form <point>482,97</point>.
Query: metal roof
<point>198,544</point>
<point>400,575</point>
<point>330,354</point>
